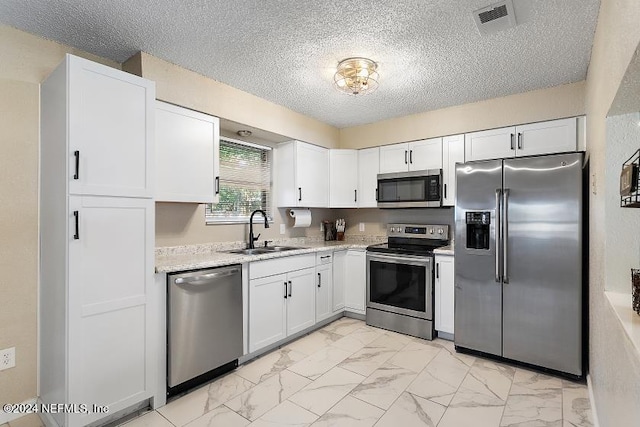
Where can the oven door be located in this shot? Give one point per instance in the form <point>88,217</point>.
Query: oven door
<point>400,284</point>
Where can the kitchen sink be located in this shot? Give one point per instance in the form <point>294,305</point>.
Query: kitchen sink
<point>264,250</point>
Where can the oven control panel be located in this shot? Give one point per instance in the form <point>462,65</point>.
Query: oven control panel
<point>419,231</point>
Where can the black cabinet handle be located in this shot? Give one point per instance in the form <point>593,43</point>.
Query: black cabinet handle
<point>437,270</point>
<point>411,156</point>
<point>76,236</point>
<point>319,279</point>
<point>290,288</point>
<point>299,194</point>
<point>376,194</point>
<point>512,143</point>
<point>285,290</point>
<point>405,157</point>
<point>445,191</point>
<point>519,140</point>
<point>355,195</point>
<point>217,185</point>
<point>76,154</point>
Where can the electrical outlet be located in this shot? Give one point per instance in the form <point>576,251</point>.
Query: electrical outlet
<point>281,228</point>
<point>7,358</point>
<point>362,226</point>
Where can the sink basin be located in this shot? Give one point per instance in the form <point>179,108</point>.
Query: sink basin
<point>282,248</point>
<point>256,251</point>
<point>262,250</point>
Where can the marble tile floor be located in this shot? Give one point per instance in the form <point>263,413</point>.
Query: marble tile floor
<point>351,374</point>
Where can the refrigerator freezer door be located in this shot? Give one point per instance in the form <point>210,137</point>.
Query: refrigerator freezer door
<point>478,295</point>
<point>542,314</point>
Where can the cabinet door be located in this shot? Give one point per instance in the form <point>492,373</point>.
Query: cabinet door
<point>111,125</point>
<point>425,154</point>
<point>444,294</point>
<point>301,300</point>
<point>452,153</point>
<point>368,169</point>
<point>111,304</point>
<point>312,175</point>
<point>355,281</point>
<point>343,178</point>
<point>267,311</point>
<point>490,144</point>
<point>394,158</point>
<point>556,136</point>
<point>339,275</point>
<point>187,155</point>
<point>324,290</point>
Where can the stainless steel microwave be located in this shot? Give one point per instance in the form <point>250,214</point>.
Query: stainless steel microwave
<point>419,189</point>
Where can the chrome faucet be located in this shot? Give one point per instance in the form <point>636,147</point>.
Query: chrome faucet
<point>266,225</point>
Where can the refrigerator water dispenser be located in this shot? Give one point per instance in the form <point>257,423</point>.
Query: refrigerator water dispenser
<point>478,229</point>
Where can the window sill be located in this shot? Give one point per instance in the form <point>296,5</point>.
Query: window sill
<point>621,304</point>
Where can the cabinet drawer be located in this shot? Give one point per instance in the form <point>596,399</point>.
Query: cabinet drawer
<point>281,265</point>
<point>324,258</point>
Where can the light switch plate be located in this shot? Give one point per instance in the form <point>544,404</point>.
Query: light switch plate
<point>361,226</point>
<point>281,228</point>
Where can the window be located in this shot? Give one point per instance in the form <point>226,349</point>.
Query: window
<point>245,182</point>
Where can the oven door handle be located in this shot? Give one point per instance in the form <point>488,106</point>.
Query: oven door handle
<point>400,259</point>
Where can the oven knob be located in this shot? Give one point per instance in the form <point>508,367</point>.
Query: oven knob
<point>431,231</point>
<point>393,229</point>
<point>441,231</point>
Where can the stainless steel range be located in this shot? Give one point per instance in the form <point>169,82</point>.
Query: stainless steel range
<point>400,278</point>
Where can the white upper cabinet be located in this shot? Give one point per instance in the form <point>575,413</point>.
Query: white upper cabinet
<point>343,178</point>
<point>394,158</point>
<point>411,156</point>
<point>110,130</point>
<point>425,154</point>
<point>368,169</point>
<point>452,153</point>
<point>302,175</point>
<point>187,155</point>
<point>555,136</point>
<point>490,144</point>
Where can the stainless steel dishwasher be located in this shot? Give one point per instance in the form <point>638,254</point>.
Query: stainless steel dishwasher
<point>204,325</point>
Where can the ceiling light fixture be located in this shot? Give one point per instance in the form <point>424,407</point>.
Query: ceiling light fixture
<point>356,76</point>
<point>244,132</point>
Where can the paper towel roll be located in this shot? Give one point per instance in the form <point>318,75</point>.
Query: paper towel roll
<point>301,217</point>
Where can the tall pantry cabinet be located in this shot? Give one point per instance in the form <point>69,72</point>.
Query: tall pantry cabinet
<point>96,240</point>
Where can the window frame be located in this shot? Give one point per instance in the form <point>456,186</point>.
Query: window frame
<point>212,220</point>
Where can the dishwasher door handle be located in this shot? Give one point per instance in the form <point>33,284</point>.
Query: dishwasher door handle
<point>205,279</point>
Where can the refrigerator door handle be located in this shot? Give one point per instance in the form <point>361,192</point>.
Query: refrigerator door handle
<point>497,237</point>
<point>505,236</point>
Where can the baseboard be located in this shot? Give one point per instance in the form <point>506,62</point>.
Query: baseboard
<point>7,417</point>
<point>594,412</point>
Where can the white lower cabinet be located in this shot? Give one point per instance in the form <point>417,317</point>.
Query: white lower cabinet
<point>281,299</point>
<point>339,269</point>
<point>355,281</point>
<point>324,286</point>
<point>444,290</point>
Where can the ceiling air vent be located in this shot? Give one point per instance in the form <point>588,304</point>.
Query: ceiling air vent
<point>495,17</point>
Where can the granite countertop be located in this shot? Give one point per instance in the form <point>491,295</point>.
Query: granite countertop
<point>180,258</point>
<point>445,250</point>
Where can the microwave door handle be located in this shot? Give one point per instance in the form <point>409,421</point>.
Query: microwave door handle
<point>505,236</point>
<point>497,235</point>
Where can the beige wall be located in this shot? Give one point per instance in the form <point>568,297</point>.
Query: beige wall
<point>24,62</point>
<point>183,87</point>
<point>614,362</point>
<point>538,105</point>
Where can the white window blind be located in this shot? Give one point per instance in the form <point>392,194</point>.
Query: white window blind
<point>245,182</point>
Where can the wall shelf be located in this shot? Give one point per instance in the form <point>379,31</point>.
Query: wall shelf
<point>630,179</point>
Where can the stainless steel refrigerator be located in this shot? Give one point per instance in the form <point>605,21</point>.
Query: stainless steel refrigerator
<point>518,260</point>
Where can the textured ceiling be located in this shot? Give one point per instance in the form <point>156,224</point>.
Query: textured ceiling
<point>430,52</point>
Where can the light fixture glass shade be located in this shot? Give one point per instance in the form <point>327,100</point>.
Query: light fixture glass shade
<point>356,76</point>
